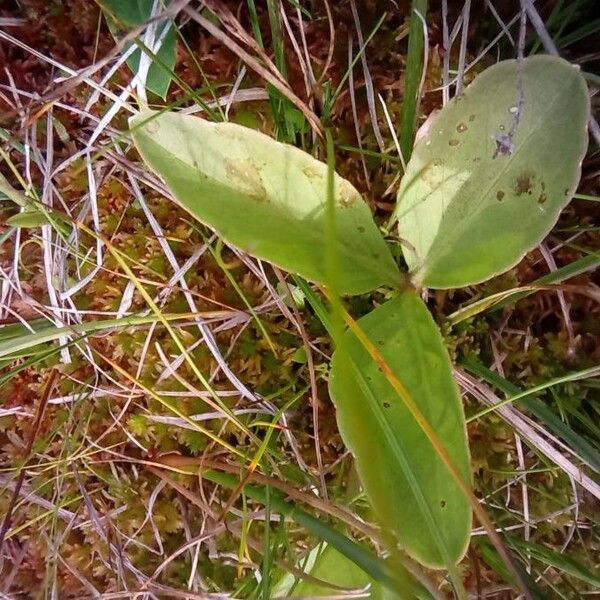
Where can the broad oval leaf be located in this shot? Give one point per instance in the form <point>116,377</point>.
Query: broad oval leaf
<point>265,197</point>
<point>481,189</point>
<point>412,492</point>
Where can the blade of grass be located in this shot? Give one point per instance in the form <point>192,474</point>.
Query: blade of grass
<point>367,561</point>
<point>559,561</point>
<point>15,342</point>
<point>266,564</point>
<point>587,196</point>
<point>412,77</point>
<point>591,372</point>
<point>501,299</point>
<point>537,408</point>
<point>338,90</point>
<point>491,558</point>
<point>586,30</point>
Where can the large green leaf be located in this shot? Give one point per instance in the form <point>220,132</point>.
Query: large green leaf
<point>132,13</point>
<point>466,210</point>
<point>265,197</point>
<point>412,492</point>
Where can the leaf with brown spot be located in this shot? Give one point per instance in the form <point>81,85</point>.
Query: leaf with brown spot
<point>266,198</point>
<point>499,188</point>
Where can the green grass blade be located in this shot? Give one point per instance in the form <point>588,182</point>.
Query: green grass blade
<point>367,561</point>
<point>502,299</point>
<point>412,77</point>
<point>538,409</point>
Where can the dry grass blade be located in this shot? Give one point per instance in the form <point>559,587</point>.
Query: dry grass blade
<point>323,506</point>
<point>527,430</point>
<point>6,521</point>
<point>253,64</point>
<point>150,375</point>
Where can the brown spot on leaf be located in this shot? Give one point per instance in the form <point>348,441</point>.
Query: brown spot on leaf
<point>471,118</point>
<point>461,128</point>
<point>386,405</point>
<point>542,198</point>
<point>499,195</point>
<point>524,183</point>
<point>453,142</point>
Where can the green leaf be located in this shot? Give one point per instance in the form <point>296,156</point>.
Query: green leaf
<point>492,559</point>
<point>265,197</point>
<point>28,219</point>
<point>11,193</point>
<point>412,492</point>
<point>132,13</point>
<point>326,564</point>
<point>466,211</point>
<point>560,561</point>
